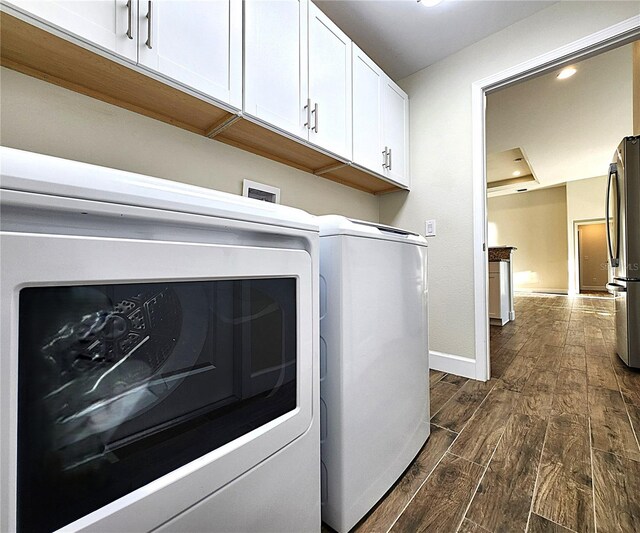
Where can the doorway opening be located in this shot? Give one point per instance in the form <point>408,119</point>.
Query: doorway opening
<point>591,257</point>
<point>590,47</point>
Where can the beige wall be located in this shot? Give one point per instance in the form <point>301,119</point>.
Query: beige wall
<point>593,257</point>
<point>441,156</point>
<point>585,202</point>
<point>536,224</point>
<point>41,117</point>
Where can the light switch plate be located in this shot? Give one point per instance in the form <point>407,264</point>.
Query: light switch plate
<point>430,228</point>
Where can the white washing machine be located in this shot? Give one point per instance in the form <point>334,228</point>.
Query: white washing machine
<point>158,355</point>
<point>374,362</point>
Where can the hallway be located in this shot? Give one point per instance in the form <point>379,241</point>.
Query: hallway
<point>549,444</point>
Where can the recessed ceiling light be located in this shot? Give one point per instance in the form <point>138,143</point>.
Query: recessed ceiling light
<point>566,73</point>
<point>516,173</point>
<point>430,3</point>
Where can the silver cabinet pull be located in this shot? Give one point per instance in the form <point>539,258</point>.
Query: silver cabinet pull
<point>308,109</point>
<point>384,157</point>
<point>315,120</point>
<point>389,158</point>
<point>149,25</point>
<point>130,19</point>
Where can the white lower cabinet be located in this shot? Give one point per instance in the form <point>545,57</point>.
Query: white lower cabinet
<point>499,292</point>
<point>109,24</point>
<point>197,43</point>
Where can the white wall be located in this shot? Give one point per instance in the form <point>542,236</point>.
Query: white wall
<point>441,153</point>
<point>535,223</point>
<point>585,201</point>
<point>41,117</point>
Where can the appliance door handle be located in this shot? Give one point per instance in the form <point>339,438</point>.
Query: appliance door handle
<point>613,257</point>
<point>130,19</point>
<point>149,25</point>
<point>614,288</point>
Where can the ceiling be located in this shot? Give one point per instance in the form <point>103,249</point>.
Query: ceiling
<point>403,36</point>
<point>568,129</point>
<point>508,168</point>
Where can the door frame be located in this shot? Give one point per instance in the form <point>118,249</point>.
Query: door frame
<point>576,248</point>
<point>596,43</point>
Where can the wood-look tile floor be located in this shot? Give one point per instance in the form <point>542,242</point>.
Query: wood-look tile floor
<point>549,444</point>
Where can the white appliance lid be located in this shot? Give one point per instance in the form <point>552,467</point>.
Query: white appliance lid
<point>331,225</point>
<point>43,174</point>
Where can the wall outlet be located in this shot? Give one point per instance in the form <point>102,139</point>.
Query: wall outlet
<point>430,228</point>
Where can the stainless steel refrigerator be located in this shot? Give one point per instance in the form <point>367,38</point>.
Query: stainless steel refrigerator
<point>623,240</point>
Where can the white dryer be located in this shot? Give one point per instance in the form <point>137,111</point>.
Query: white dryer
<point>159,355</point>
<point>374,362</point>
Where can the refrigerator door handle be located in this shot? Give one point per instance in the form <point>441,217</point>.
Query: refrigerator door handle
<point>613,258</point>
<point>614,288</point>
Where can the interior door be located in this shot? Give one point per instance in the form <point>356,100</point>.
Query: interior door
<point>329,85</point>
<point>110,24</point>
<point>368,81</point>
<point>197,43</point>
<point>275,63</point>
<point>396,132</point>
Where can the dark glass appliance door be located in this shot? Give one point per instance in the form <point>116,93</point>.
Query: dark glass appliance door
<point>121,384</point>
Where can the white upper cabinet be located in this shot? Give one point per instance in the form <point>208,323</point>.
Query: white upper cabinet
<point>380,121</point>
<point>329,85</point>
<point>368,83</point>
<point>275,63</point>
<point>395,128</point>
<point>110,24</point>
<point>196,43</point>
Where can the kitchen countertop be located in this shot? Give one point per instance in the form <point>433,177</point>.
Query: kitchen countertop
<point>500,253</point>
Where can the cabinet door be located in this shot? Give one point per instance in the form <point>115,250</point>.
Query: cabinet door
<point>329,85</point>
<point>396,132</point>
<point>196,43</point>
<point>368,82</point>
<point>275,63</point>
<point>110,24</point>
<point>494,295</point>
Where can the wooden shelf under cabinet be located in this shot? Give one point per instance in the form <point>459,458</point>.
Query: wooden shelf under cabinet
<point>36,52</point>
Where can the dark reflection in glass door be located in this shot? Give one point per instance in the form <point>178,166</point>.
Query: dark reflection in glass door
<point>121,384</point>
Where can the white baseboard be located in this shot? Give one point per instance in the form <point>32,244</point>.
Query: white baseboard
<point>543,291</point>
<point>452,364</point>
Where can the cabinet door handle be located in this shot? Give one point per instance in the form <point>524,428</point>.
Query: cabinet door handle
<point>149,25</point>
<point>384,157</point>
<point>315,118</point>
<point>308,109</point>
<point>389,156</point>
<point>130,19</point>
